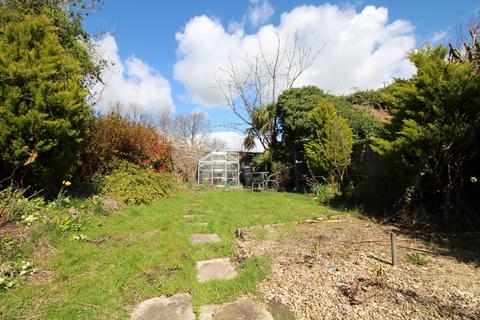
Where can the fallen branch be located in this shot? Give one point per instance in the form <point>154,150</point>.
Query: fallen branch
<point>422,250</point>
<point>311,221</point>
<point>383,240</point>
<point>403,247</point>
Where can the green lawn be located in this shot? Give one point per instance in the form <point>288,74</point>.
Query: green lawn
<point>148,254</point>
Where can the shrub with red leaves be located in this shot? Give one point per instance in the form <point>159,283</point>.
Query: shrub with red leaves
<point>115,137</point>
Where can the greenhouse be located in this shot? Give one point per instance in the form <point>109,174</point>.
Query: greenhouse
<point>220,169</point>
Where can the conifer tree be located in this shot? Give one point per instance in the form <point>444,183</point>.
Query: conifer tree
<point>434,149</point>
<point>43,116</point>
<point>329,149</point>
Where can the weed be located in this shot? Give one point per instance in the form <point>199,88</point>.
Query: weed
<point>15,205</point>
<point>11,273</point>
<point>9,246</point>
<point>417,259</point>
<point>381,276</point>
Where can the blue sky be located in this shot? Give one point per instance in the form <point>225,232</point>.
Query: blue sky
<point>165,55</point>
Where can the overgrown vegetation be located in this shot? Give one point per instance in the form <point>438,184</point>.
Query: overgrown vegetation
<point>139,252</point>
<point>15,205</point>
<point>132,185</point>
<point>433,146</point>
<point>113,137</point>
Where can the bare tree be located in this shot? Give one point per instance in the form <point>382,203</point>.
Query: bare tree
<point>165,123</point>
<point>251,90</point>
<point>471,49</point>
<point>192,128</point>
<point>191,138</point>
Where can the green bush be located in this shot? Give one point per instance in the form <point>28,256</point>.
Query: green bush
<point>324,192</point>
<point>364,126</point>
<point>131,184</point>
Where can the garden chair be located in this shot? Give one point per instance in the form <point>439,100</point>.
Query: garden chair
<point>271,182</point>
<point>258,180</point>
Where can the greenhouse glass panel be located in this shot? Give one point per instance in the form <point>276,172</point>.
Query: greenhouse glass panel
<point>220,169</point>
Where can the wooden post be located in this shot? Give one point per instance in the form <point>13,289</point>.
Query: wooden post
<point>393,238</point>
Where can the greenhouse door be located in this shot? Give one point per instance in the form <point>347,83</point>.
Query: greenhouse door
<point>219,169</point>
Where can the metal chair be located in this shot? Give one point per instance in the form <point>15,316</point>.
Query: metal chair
<point>258,181</point>
<point>271,182</point>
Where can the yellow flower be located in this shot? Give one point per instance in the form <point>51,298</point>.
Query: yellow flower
<point>66,183</point>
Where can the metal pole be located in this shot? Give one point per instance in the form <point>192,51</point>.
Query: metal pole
<point>393,238</point>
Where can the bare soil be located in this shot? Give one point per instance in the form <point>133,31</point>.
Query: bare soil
<point>340,268</point>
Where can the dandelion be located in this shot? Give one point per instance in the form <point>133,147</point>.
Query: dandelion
<point>66,183</point>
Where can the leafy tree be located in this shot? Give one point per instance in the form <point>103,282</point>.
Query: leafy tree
<point>295,106</point>
<point>43,115</point>
<point>66,16</point>
<point>364,126</point>
<point>262,123</point>
<point>370,98</point>
<point>328,151</point>
<point>434,149</point>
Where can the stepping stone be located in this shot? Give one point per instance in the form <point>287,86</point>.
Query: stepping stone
<point>191,216</point>
<point>177,307</point>
<point>243,308</point>
<point>215,269</point>
<point>204,238</point>
<point>197,224</point>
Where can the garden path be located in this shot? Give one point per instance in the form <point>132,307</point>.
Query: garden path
<point>179,306</point>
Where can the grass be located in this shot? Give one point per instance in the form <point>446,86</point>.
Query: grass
<point>147,254</point>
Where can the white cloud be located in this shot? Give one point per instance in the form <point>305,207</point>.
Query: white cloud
<point>439,36</point>
<point>259,12</point>
<point>131,82</point>
<point>234,141</point>
<point>361,50</point>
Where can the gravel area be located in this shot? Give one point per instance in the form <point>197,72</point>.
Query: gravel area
<point>339,268</point>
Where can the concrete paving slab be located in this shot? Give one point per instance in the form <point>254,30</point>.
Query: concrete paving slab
<point>208,311</point>
<point>197,238</point>
<point>197,224</point>
<point>215,269</point>
<point>241,309</point>
<point>177,307</point>
<point>191,216</point>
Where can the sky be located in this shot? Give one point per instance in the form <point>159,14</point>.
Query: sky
<point>168,55</point>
